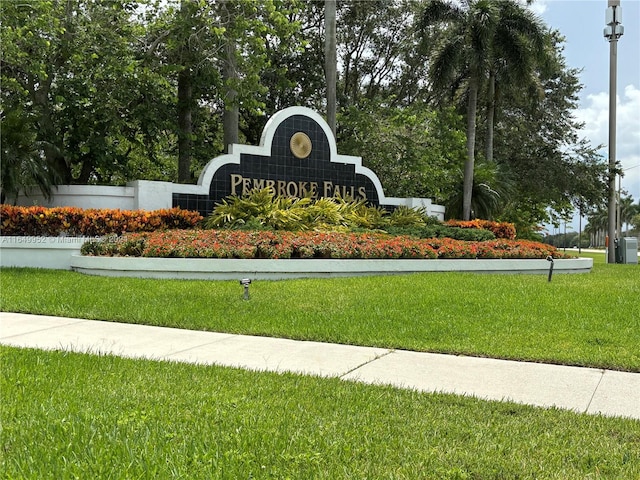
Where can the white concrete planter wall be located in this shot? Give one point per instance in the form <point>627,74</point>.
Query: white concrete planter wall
<point>63,253</point>
<point>232,269</point>
<point>39,252</point>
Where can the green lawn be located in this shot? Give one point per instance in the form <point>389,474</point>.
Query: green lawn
<point>588,319</point>
<point>67,415</point>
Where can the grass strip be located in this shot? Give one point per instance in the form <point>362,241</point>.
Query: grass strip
<point>587,320</point>
<point>68,415</point>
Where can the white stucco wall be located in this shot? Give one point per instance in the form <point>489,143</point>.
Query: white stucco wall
<point>149,195</point>
<point>84,196</point>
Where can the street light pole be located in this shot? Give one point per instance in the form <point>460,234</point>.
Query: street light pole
<point>613,31</point>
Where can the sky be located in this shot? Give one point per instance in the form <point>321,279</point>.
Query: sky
<point>582,23</point>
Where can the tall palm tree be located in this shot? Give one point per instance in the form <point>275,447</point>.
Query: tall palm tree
<point>476,36</point>
<point>627,211</point>
<point>491,190</point>
<point>23,164</point>
<point>331,63</point>
<point>597,226</point>
<point>635,218</point>
<point>519,47</point>
<point>230,75</point>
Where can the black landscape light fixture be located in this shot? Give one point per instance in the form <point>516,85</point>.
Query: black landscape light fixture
<point>612,32</point>
<point>550,259</point>
<point>245,282</point>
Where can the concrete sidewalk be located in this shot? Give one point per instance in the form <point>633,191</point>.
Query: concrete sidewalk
<point>587,390</point>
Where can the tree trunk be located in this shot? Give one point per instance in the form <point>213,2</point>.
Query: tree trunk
<point>491,112</point>
<point>467,189</point>
<point>56,161</point>
<point>185,126</point>
<point>231,114</point>
<point>331,63</point>
<point>85,171</point>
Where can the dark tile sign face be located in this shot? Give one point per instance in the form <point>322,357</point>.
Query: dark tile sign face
<point>297,157</point>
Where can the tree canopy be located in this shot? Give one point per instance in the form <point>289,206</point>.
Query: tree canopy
<point>430,94</point>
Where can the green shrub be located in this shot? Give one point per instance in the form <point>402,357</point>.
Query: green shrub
<point>499,229</point>
<point>442,231</point>
<point>470,235</point>
<point>325,211</point>
<point>262,210</point>
<point>110,245</point>
<point>360,215</point>
<point>407,217</point>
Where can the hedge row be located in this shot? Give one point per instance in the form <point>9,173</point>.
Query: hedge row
<point>499,229</point>
<point>71,221</point>
<point>269,244</point>
<point>443,231</point>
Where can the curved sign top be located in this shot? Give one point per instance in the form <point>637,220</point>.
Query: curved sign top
<point>297,157</point>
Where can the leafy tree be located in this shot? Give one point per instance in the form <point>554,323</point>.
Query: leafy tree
<point>214,52</point>
<point>377,39</point>
<point>414,151</point>
<point>293,73</point>
<point>635,222</point>
<point>76,97</point>
<point>184,42</point>
<point>476,37</point>
<point>538,143</point>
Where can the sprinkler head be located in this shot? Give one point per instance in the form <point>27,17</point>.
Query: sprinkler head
<point>245,282</point>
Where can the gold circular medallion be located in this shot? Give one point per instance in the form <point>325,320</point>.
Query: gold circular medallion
<point>300,145</point>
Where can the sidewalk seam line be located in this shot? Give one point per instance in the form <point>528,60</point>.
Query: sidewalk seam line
<point>80,320</point>
<point>168,355</point>
<point>595,390</point>
<point>377,357</point>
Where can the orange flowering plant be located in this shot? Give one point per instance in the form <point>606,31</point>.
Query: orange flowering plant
<point>71,221</point>
<point>263,244</point>
<point>499,229</point>
<point>174,233</point>
<point>197,243</point>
